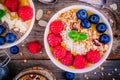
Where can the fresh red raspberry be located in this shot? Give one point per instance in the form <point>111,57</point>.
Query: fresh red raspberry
<point>68,59</point>
<point>25,12</point>
<point>56,26</point>
<point>59,52</point>
<point>12,5</point>
<point>80,62</point>
<point>54,40</point>
<point>93,56</point>
<point>34,47</point>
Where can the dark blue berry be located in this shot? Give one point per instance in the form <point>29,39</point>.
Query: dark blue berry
<point>94,18</point>
<point>2,29</point>
<point>69,76</point>
<point>101,27</point>
<point>10,37</point>
<point>2,40</point>
<point>86,24</point>
<point>14,50</point>
<point>82,14</point>
<point>104,38</point>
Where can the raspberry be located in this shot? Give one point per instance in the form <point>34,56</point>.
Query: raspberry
<point>56,26</point>
<point>54,40</point>
<point>34,47</point>
<point>12,5</point>
<point>93,56</point>
<point>80,62</point>
<point>59,52</point>
<point>68,59</point>
<point>25,12</point>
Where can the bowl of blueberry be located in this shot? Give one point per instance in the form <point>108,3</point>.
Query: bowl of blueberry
<point>78,39</point>
<point>16,21</point>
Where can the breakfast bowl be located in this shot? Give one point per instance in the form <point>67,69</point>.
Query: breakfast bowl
<point>16,21</point>
<point>78,39</point>
<point>35,73</point>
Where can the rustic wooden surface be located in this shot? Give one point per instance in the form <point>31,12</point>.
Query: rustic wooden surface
<point>42,59</point>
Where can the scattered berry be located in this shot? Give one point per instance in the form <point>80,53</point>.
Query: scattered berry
<point>104,38</point>
<point>12,5</point>
<point>54,40</point>
<point>56,26</point>
<point>94,18</point>
<point>14,50</point>
<point>80,62</point>
<point>101,27</point>
<point>68,59</point>
<point>69,76</point>
<point>93,56</point>
<point>10,37</point>
<point>2,40</point>
<point>59,52</point>
<point>25,12</point>
<point>82,14</point>
<point>86,24</point>
<point>34,47</point>
<point>2,29</point>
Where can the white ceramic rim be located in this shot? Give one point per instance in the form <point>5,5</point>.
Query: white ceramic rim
<point>26,34</point>
<point>63,67</point>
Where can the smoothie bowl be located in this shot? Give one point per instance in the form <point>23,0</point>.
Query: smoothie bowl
<point>78,39</point>
<point>16,21</point>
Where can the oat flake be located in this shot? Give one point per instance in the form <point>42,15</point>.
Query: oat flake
<point>39,14</point>
<point>42,23</point>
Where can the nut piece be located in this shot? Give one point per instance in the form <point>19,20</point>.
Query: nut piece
<point>25,60</point>
<point>42,23</point>
<point>48,12</point>
<point>20,53</point>
<point>113,6</point>
<point>39,14</point>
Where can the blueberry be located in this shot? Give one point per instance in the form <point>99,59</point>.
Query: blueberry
<point>14,50</point>
<point>2,29</point>
<point>82,14</point>
<point>86,24</point>
<point>69,76</point>
<point>104,38</point>
<point>2,40</point>
<point>101,27</point>
<point>94,18</point>
<point>10,37</point>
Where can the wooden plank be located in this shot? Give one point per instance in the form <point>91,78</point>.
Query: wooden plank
<point>37,32</point>
<point>107,71</point>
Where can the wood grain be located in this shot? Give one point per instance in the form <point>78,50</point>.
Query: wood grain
<point>106,72</point>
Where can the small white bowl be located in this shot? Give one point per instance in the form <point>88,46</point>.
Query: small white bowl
<point>26,34</point>
<point>66,68</point>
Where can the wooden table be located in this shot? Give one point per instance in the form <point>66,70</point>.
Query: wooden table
<point>109,70</point>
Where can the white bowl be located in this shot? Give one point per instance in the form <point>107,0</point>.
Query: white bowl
<point>87,69</point>
<point>26,34</point>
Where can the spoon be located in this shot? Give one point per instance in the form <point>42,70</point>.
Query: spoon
<point>48,1</point>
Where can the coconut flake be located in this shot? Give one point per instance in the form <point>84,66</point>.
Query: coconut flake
<point>113,6</point>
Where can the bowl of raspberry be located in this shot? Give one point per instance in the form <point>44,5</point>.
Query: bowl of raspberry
<point>78,39</point>
<point>16,21</point>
